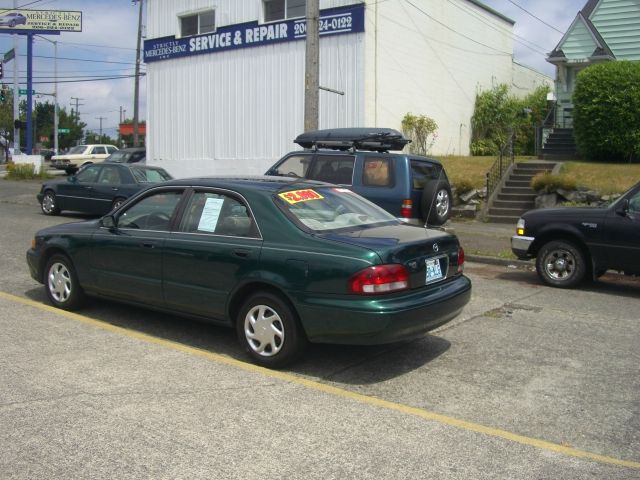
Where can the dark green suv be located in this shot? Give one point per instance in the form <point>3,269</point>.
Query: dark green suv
<point>411,187</point>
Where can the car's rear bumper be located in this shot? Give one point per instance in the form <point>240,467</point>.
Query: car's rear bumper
<point>377,320</point>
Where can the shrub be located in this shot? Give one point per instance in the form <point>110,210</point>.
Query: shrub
<point>547,182</point>
<point>463,186</point>
<point>607,111</point>
<point>421,130</point>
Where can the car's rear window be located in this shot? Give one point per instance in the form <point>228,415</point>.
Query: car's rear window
<point>150,175</point>
<point>323,209</point>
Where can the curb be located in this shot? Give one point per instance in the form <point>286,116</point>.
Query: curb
<point>498,261</point>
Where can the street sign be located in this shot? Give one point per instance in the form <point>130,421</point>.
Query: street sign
<point>63,130</point>
<point>23,91</point>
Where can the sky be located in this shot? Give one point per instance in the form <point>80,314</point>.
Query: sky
<point>106,48</point>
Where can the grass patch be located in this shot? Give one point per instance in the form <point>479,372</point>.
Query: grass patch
<point>470,170</point>
<point>605,178</point>
<point>25,171</point>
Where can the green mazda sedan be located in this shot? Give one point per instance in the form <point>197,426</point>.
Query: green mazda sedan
<point>284,261</point>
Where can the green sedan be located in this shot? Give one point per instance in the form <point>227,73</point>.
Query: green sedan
<point>283,261</point>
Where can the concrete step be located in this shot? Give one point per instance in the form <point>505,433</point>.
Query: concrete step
<point>525,177</point>
<point>517,183</point>
<point>559,156</point>
<point>514,204</point>
<point>507,212</point>
<point>516,197</point>
<point>518,190</point>
<point>503,219</point>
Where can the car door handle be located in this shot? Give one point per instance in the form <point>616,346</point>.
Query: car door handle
<point>242,253</point>
<point>149,245</point>
<point>115,189</point>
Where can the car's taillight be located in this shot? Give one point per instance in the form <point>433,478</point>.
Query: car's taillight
<point>460,259</point>
<point>379,279</point>
<point>406,208</point>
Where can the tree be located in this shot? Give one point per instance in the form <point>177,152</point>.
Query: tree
<point>498,114</point>
<point>606,111</point>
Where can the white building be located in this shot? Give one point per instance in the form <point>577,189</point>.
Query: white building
<point>225,78</point>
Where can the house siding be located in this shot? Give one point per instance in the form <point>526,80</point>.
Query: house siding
<point>618,21</point>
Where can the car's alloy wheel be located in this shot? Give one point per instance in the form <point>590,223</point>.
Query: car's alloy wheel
<point>269,330</point>
<point>49,206</point>
<point>442,203</point>
<point>61,283</point>
<point>436,202</point>
<point>116,203</point>
<point>561,264</point>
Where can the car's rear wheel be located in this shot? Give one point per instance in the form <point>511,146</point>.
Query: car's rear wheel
<point>49,203</point>
<point>61,283</point>
<point>270,330</point>
<point>560,263</point>
<point>436,202</point>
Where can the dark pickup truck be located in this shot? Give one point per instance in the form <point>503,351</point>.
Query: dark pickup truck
<point>573,244</point>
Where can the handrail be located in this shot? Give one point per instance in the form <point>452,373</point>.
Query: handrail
<point>499,168</point>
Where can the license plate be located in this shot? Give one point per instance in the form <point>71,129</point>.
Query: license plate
<point>434,272</point>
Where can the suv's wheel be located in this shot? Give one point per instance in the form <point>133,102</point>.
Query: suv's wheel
<point>561,264</point>
<point>269,330</point>
<point>61,283</point>
<point>436,202</point>
<point>49,203</point>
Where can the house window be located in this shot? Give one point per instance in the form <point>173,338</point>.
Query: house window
<point>203,22</point>
<point>283,9</point>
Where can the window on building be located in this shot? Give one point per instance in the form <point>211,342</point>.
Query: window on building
<point>283,9</point>
<point>202,22</point>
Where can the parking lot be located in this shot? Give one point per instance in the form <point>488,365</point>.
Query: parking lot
<point>529,382</point>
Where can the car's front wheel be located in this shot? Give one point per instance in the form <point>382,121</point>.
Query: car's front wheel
<point>270,330</point>
<point>61,283</point>
<point>560,263</point>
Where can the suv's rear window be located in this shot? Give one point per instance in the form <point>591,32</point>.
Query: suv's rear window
<point>377,172</point>
<point>422,172</point>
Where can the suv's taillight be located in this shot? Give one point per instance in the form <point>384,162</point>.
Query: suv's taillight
<point>460,259</point>
<point>379,279</point>
<point>406,208</point>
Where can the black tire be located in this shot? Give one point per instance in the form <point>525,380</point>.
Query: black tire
<point>49,204</point>
<point>436,202</point>
<point>61,283</point>
<point>269,330</point>
<point>117,202</point>
<point>560,263</point>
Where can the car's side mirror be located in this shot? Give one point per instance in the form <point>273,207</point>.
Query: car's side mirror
<point>109,221</point>
<point>623,208</point>
<point>72,179</point>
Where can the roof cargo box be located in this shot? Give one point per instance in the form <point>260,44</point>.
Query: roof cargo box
<point>374,139</point>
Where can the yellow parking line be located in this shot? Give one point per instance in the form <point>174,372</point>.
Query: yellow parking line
<point>335,391</point>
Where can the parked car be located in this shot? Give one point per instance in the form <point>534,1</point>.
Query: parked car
<point>97,189</point>
<point>128,155</point>
<point>46,154</point>
<point>12,19</point>
<point>81,155</point>
<point>411,187</point>
<point>571,244</point>
<point>283,262</point>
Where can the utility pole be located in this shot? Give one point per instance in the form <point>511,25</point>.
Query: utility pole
<point>136,92</point>
<point>16,93</point>
<point>101,118</point>
<point>78,105</point>
<point>312,67</point>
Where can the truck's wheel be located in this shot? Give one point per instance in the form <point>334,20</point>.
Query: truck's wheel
<point>561,264</point>
<point>436,202</point>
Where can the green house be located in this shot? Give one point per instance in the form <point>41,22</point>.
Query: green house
<point>604,30</point>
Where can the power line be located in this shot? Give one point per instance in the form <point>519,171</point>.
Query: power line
<point>534,16</point>
<point>82,60</point>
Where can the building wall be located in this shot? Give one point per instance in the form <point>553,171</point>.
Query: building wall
<point>432,60</point>
<point>238,111</point>
<point>618,21</point>
<point>525,80</point>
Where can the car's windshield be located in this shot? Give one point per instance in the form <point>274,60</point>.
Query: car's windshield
<point>77,149</point>
<point>331,208</point>
<point>150,175</point>
<point>119,156</point>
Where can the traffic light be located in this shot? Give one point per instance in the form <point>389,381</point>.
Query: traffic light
<point>3,94</point>
<point>19,124</point>
<point>1,69</point>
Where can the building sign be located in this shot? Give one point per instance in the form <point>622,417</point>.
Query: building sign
<point>28,21</point>
<point>333,21</point>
